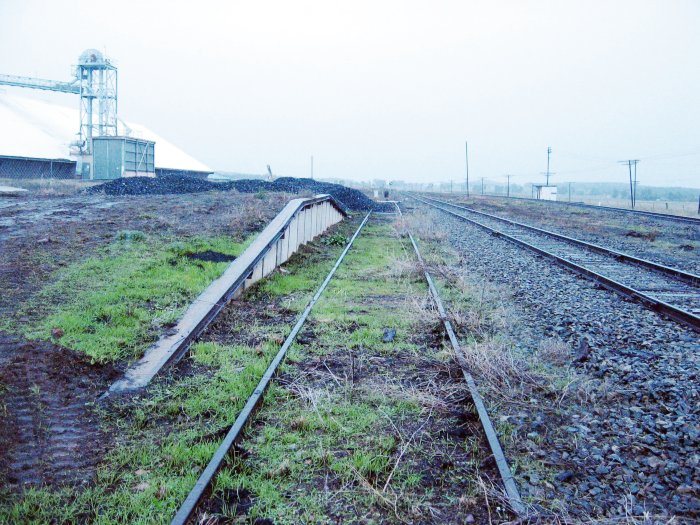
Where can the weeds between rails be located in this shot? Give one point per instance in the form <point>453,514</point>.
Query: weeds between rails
<point>352,429</point>
<point>188,507</point>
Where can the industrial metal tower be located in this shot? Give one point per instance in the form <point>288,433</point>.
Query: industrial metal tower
<point>96,83</point>
<point>97,79</point>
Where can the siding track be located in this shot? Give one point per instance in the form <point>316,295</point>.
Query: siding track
<point>189,506</point>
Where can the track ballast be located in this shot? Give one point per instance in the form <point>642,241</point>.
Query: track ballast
<point>670,291</point>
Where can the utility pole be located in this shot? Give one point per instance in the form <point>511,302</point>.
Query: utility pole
<point>482,185</point>
<point>466,154</point>
<point>508,185</point>
<point>312,166</point>
<point>635,183</point>
<point>569,192</point>
<point>548,173</point>
<point>451,181</point>
<point>633,179</point>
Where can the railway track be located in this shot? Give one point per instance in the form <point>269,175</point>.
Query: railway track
<point>669,291</point>
<point>612,209</point>
<point>512,493</point>
<point>189,507</point>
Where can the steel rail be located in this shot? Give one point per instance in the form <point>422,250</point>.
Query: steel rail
<point>504,470</point>
<point>613,209</point>
<point>684,276</point>
<point>188,507</point>
<point>661,307</point>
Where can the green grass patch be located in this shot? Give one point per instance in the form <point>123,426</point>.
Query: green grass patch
<point>311,433</point>
<point>166,437</point>
<point>165,441</point>
<point>114,304</point>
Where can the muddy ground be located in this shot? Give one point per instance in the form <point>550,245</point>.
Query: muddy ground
<point>50,432</point>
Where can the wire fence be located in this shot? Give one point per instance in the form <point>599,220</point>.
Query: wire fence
<point>21,168</point>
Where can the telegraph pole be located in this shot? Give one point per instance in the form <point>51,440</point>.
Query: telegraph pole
<point>466,154</point>
<point>482,185</point>
<point>569,192</point>
<point>312,166</point>
<point>508,185</point>
<point>633,179</point>
<point>548,173</point>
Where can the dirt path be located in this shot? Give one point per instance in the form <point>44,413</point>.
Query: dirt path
<point>50,432</point>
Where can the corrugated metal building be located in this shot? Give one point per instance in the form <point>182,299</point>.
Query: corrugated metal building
<point>115,157</point>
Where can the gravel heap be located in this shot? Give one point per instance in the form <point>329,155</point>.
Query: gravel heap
<point>348,197</point>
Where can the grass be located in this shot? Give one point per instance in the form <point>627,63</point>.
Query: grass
<point>114,304</point>
<point>341,440</point>
<point>165,437</point>
<point>341,434</point>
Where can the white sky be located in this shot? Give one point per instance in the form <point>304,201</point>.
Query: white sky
<point>392,89</point>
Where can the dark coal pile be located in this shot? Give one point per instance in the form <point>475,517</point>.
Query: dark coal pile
<point>348,197</point>
<point>157,186</point>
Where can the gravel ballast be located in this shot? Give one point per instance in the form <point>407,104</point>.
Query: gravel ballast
<point>636,449</point>
<point>658,240</point>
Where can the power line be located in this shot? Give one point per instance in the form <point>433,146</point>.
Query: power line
<point>633,180</point>
<point>508,185</point>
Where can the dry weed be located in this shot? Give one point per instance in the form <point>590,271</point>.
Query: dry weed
<point>48,187</point>
<point>402,267</point>
<point>554,351</point>
<point>499,370</point>
<point>425,227</point>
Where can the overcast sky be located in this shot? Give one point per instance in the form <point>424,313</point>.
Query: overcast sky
<point>392,89</point>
